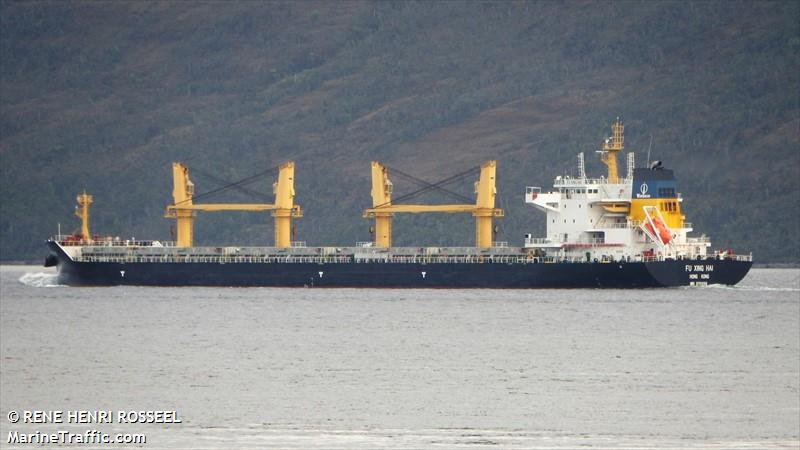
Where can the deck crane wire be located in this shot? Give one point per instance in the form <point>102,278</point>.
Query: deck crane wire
<point>224,182</point>
<point>437,185</point>
<point>233,185</point>
<point>424,183</point>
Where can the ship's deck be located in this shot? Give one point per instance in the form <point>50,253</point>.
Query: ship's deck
<point>133,251</point>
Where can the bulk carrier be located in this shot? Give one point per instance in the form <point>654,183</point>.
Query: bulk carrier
<point>607,232</point>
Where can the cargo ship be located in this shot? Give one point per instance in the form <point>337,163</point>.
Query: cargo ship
<point>608,232</point>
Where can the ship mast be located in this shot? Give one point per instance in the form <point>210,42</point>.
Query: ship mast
<point>284,208</point>
<point>485,192</point>
<point>382,197</point>
<point>611,147</point>
<point>82,212</point>
<point>182,192</point>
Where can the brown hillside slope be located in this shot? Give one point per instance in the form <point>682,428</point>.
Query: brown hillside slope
<point>104,96</point>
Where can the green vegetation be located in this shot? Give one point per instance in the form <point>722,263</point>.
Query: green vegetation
<point>104,95</point>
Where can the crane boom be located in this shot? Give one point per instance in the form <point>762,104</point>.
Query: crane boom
<point>421,209</point>
<point>184,210</point>
<point>483,210</point>
<point>213,207</point>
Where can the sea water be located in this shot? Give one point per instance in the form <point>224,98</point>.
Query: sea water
<point>700,367</point>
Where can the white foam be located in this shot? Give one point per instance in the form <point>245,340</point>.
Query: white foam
<point>752,288</point>
<point>39,279</point>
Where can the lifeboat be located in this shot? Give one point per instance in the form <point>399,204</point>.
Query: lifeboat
<point>663,232</point>
<point>616,207</point>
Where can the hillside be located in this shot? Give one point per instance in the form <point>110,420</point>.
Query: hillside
<point>105,95</point>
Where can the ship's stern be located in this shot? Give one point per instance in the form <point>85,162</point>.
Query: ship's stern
<point>699,272</point>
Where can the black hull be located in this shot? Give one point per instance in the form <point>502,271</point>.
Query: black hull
<point>402,275</point>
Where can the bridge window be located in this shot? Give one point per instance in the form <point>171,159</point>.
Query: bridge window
<point>666,192</point>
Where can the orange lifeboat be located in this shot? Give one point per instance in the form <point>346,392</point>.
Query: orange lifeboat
<point>663,231</point>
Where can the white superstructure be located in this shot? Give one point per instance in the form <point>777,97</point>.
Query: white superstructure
<point>636,217</point>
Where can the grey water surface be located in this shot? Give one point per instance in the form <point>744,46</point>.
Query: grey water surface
<point>701,367</point>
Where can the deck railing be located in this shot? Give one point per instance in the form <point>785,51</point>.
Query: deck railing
<point>402,259</point>
<point>537,241</point>
<point>70,240</point>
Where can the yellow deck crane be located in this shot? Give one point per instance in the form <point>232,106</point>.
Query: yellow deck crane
<point>483,210</point>
<point>184,210</point>
<point>82,212</point>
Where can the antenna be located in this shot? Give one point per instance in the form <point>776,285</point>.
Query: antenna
<point>648,150</point>
<point>581,167</point>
